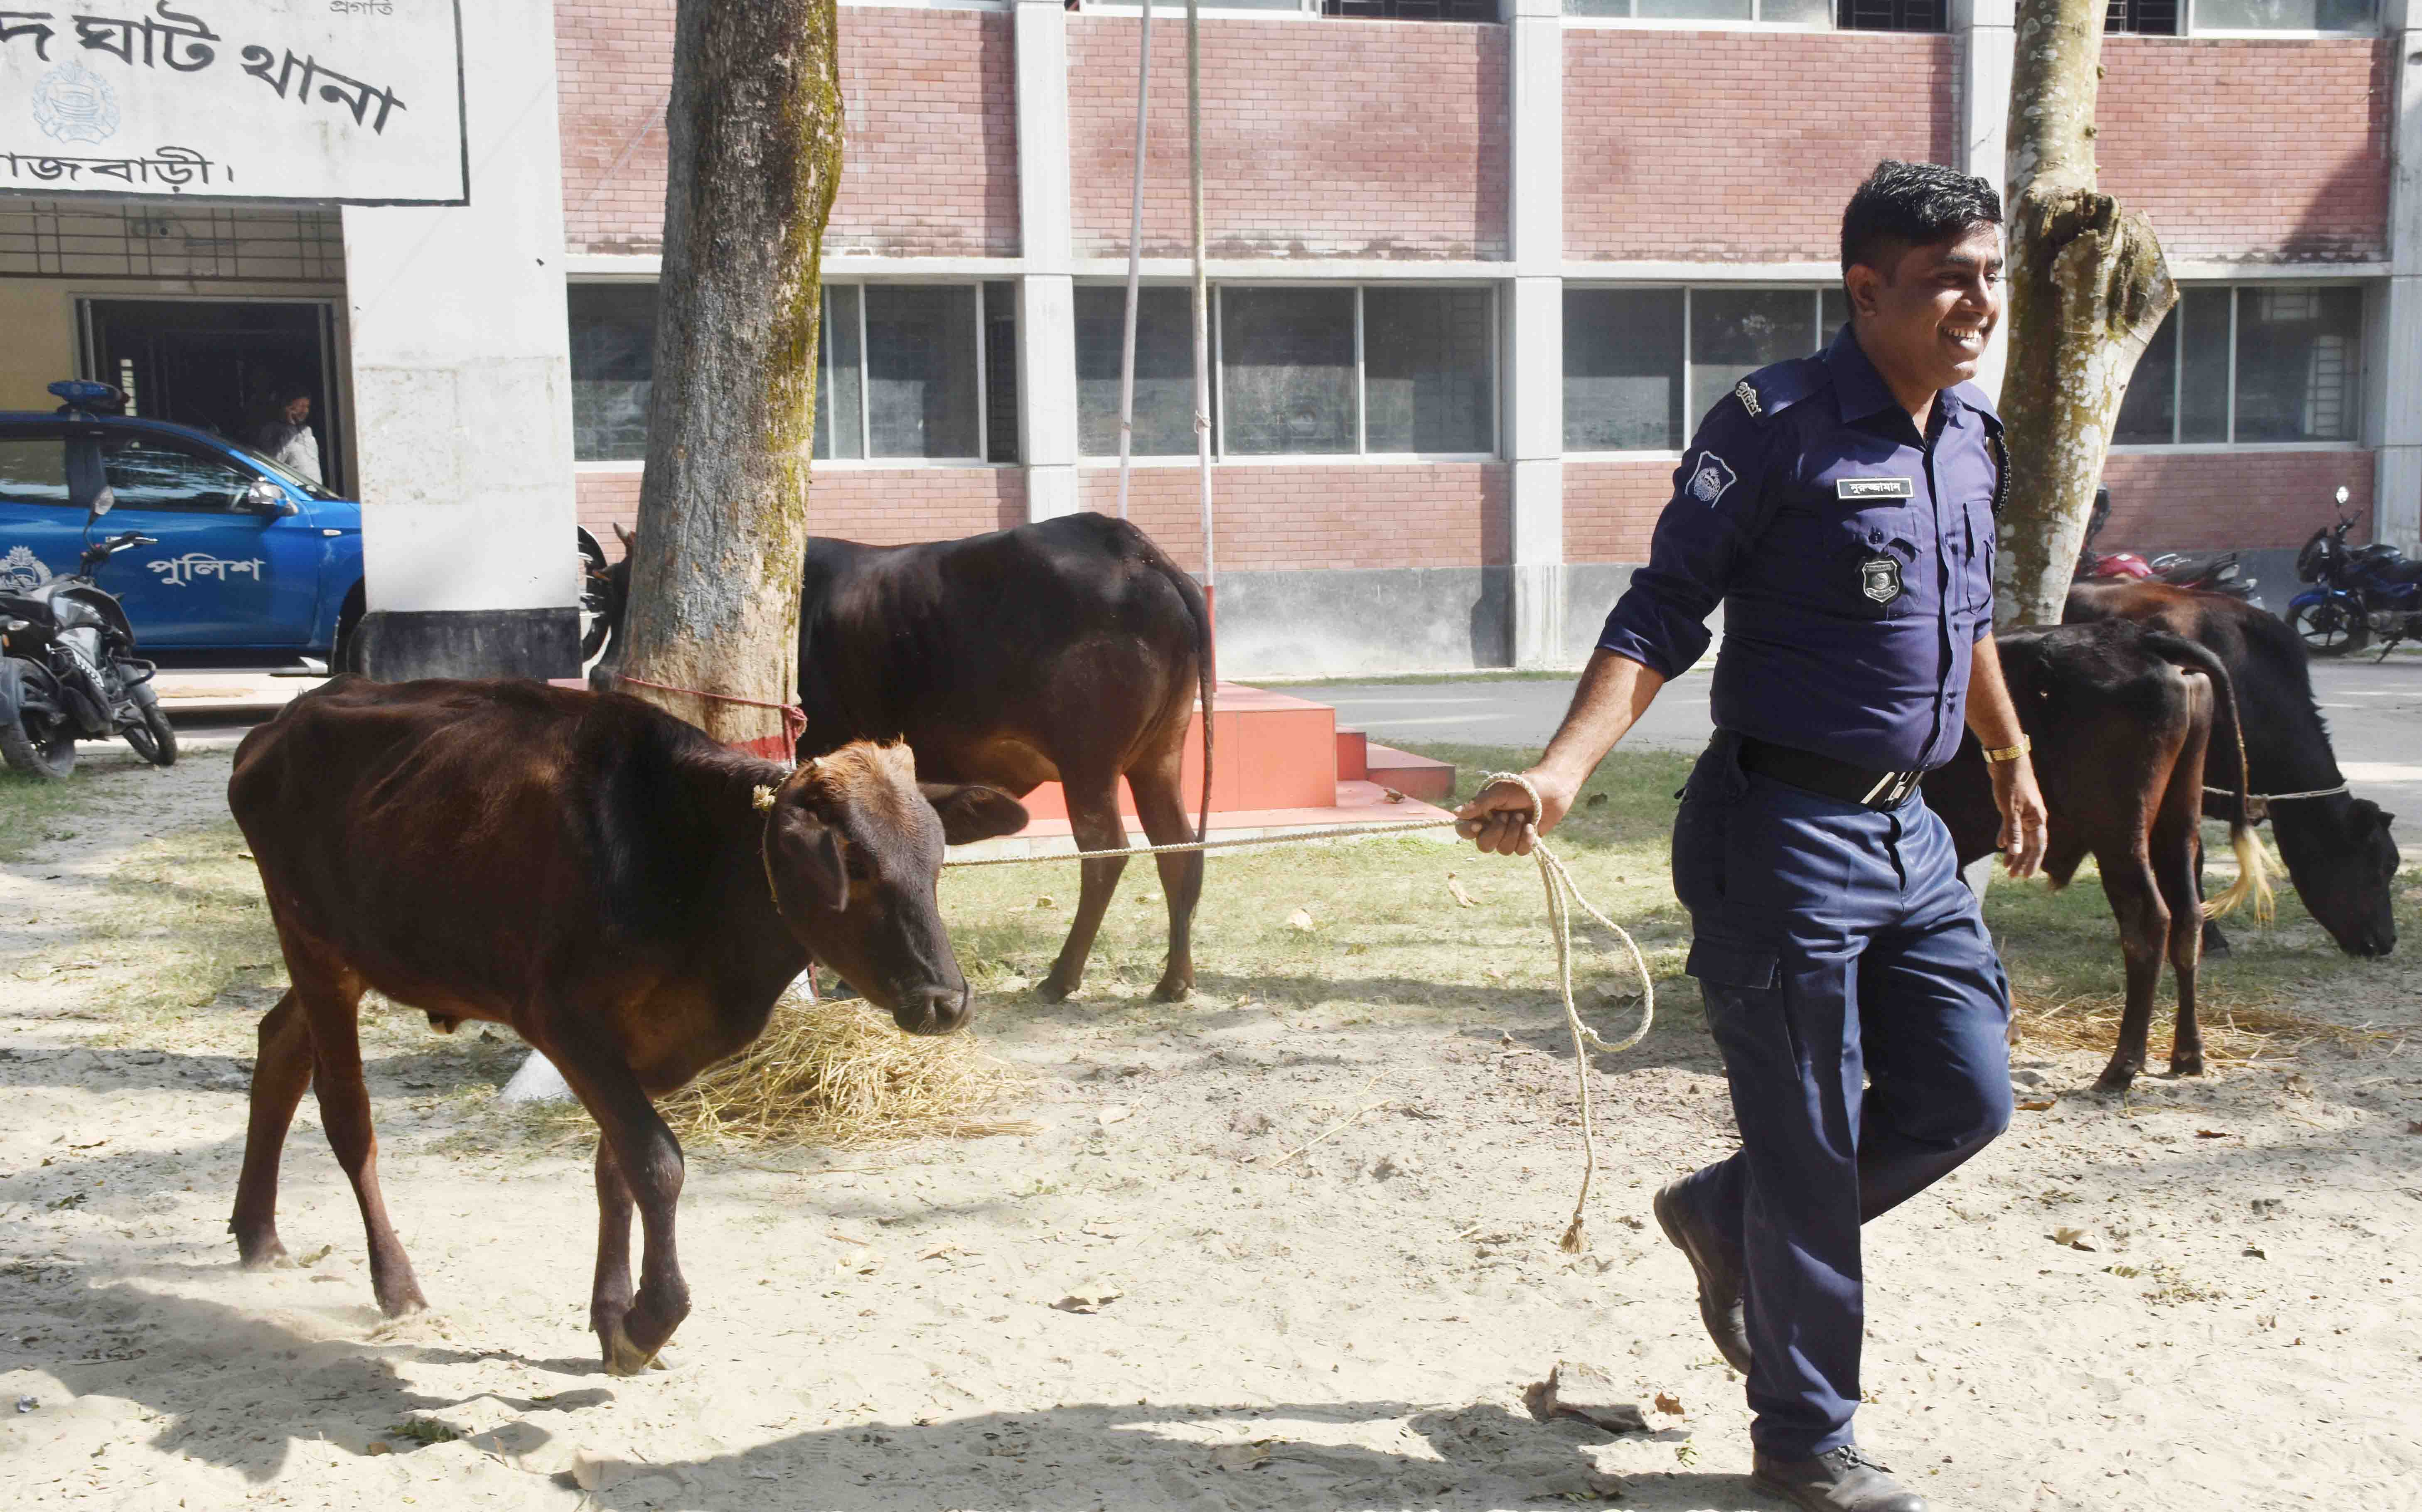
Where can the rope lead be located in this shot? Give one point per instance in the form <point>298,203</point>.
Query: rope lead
<point>1562,893</point>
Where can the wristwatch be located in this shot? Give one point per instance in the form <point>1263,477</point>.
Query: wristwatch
<point>2011,752</point>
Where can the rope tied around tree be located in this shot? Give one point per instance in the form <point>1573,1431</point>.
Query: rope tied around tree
<point>794,719</point>
<point>1562,893</point>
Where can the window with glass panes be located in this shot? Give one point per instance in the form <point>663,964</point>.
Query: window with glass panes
<point>1326,370</point>
<point>613,367</point>
<point>1781,12</point>
<point>918,371</point>
<point>1642,365</point>
<point>2250,364</point>
<point>2143,18</point>
<point>2284,15</point>
<point>1893,15</point>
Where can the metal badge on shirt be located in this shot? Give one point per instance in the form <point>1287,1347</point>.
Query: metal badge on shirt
<point>1875,488</point>
<point>1879,579</point>
<point>1713,477</point>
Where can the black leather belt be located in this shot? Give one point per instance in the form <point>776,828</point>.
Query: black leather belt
<point>1881,790</point>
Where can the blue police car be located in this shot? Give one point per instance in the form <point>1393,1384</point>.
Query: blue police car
<point>251,558</point>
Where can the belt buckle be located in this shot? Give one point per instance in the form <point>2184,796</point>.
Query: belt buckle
<point>1893,790</point>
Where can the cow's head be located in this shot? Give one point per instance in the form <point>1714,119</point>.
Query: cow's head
<point>2342,859</point>
<point>853,848</point>
<point>607,591</point>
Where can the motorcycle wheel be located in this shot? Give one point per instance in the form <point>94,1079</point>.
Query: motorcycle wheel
<point>155,738</point>
<point>2329,629</point>
<point>46,752</point>
<point>595,627</point>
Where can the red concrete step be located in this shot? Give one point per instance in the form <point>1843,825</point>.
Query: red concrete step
<point>1353,756</point>
<point>1273,751</point>
<point>1432,782</point>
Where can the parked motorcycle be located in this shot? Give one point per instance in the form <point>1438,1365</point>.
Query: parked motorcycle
<point>2220,573</point>
<point>67,667</point>
<point>2359,592</point>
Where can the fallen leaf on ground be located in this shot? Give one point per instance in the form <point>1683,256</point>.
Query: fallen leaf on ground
<point>1087,1301</point>
<point>1453,887</point>
<point>1391,795</point>
<point>1239,1456</point>
<point>1300,920</point>
<point>2075,1239</point>
<point>1669,1403</point>
<point>1046,901</point>
<point>839,1237</point>
<point>2035,1105</point>
<point>317,1256</point>
<point>2214,1133</point>
<point>2414,1126</point>
<point>939,1251</point>
<point>1112,1115</point>
<point>1594,800</point>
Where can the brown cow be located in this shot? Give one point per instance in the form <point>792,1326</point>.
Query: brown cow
<point>628,895</point>
<point>2121,716</point>
<point>1071,650</point>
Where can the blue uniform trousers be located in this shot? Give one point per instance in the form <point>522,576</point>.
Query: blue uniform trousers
<point>1863,1018</point>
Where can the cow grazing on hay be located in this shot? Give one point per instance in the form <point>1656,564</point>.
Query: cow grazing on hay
<point>2338,847</point>
<point>2122,718</point>
<point>1071,650</point>
<point>626,894</point>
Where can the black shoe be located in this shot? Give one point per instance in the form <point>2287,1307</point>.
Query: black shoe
<point>1838,1480</point>
<point>1718,1271</point>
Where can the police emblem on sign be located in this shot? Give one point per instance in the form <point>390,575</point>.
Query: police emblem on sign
<point>1879,579</point>
<point>1712,477</point>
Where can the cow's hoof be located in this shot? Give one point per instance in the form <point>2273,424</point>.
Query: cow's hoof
<point>265,1255</point>
<point>1172,991</point>
<point>2186,1065</point>
<point>623,1357</point>
<point>405,1301</point>
<point>2114,1080</point>
<point>1054,990</point>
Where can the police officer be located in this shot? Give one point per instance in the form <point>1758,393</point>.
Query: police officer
<point>1841,508</point>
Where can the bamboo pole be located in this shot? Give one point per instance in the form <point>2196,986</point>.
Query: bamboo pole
<point>1135,265</point>
<point>1202,285</point>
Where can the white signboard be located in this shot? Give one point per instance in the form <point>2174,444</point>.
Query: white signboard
<point>357,102</point>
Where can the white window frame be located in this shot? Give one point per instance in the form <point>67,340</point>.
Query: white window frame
<point>864,461</point>
<point>2189,26</point>
<point>1816,291</point>
<point>1756,23</point>
<point>607,464</point>
<point>1361,455</point>
<point>2178,379</point>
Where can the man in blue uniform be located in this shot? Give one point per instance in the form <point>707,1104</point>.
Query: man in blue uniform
<point>1842,509</point>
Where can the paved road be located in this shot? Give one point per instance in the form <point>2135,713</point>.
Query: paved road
<point>2375,714</point>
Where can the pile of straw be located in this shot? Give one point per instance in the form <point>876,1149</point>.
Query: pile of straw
<point>841,1074</point>
<point>2233,1033</point>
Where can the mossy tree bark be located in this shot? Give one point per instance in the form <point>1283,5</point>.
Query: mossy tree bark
<point>755,129</point>
<point>2087,288</point>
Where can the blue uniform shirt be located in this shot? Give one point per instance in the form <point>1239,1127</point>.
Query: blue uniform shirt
<point>1854,556</point>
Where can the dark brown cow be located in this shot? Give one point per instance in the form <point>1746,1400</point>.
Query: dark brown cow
<point>2338,847</point>
<point>1071,650</point>
<point>628,895</point>
<point>2121,717</point>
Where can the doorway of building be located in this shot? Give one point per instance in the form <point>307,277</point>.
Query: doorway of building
<point>219,364</point>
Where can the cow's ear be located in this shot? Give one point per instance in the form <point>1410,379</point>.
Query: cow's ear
<point>805,863</point>
<point>626,536</point>
<point>972,813</point>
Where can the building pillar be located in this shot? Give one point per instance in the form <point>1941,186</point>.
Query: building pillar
<point>462,379</point>
<point>2397,483</point>
<point>1988,51</point>
<point>1046,323</point>
<point>1534,326</point>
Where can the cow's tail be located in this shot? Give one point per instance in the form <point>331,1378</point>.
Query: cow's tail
<point>2253,870</point>
<point>1207,674</point>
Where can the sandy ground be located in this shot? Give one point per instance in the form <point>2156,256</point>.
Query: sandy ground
<point>1350,1329</point>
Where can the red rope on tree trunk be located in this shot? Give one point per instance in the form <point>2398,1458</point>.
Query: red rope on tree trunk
<point>794,719</point>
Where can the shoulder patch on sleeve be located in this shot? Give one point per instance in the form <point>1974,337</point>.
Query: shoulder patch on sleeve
<point>1776,387</point>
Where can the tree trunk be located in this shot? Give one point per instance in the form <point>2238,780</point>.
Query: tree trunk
<point>2087,290</point>
<point>755,129</point>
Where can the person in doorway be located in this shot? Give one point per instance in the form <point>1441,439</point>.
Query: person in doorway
<point>288,438</point>
<point>1842,508</point>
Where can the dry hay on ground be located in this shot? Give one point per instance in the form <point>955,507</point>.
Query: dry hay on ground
<point>2235,1033</point>
<point>840,1073</point>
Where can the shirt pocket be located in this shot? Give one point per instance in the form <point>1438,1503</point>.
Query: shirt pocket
<point>1975,594</point>
<point>1871,570</point>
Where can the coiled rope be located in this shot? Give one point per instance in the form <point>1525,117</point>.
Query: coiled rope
<point>1562,893</point>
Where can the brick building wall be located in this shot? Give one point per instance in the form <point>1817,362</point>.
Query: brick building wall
<point>2229,501</point>
<point>880,505</point>
<point>1610,508</point>
<point>1739,145</point>
<point>930,162</point>
<point>1311,517</point>
<point>1373,139</point>
<point>2260,150</point>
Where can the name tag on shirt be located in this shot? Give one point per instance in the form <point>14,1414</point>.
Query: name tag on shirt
<point>1875,488</point>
